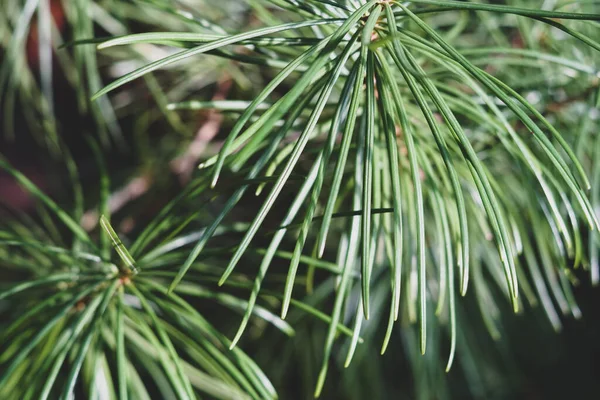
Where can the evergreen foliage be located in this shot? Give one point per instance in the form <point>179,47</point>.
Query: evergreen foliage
<point>373,175</point>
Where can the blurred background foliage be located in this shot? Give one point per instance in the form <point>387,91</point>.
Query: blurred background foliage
<point>145,301</point>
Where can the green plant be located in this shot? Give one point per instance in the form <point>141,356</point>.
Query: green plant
<point>404,154</point>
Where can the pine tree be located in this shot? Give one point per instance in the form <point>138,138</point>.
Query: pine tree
<point>255,199</point>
